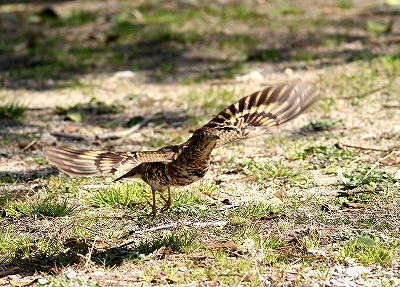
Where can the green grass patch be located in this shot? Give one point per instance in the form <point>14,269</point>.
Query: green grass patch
<point>376,27</point>
<point>215,98</point>
<point>94,106</point>
<point>80,17</point>
<point>267,55</point>
<point>366,177</point>
<point>327,104</point>
<point>14,246</point>
<point>255,210</point>
<point>368,249</point>
<point>274,170</point>
<point>179,241</point>
<point>24,250</point>
<point>76,17</point>
<point>291,10</point>
<point>325,155</point>
<point>121,195</point>
<point>321,125</point>
<point>377,222</point>
<point>190,203</point>
<point>48,206</point>
<point>344,4</point>
<point>304,57</point>
<point>4,198</point>
<point>38,160</point>
<point>12,110</point>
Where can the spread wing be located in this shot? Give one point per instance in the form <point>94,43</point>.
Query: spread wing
<point>249,117</point>
<point>91,162</point>
<point>253,115</point>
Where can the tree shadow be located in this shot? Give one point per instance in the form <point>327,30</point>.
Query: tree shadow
<point>24,176</point>
<point>56,48</point>
<point>76,251</point>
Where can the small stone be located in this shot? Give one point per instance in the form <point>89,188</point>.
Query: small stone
<point>71,274</point>
<point>356,271</point>
<point>48,139</point>
<point>397,175</point>
<point>42,281</point>
<point>350,261</point>
<point>124,75</point>
<point>289,72</point>
<point>252,76</point>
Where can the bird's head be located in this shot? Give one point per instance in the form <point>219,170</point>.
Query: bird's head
<point>205,137</point>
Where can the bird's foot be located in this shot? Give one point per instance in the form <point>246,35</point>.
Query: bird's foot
<point>167,201</point>
<point>167,205</point>
<point>153,209</point>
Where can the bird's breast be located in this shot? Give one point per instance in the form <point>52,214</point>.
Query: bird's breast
<point>185,174</point>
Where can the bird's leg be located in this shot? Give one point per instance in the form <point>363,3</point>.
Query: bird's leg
<point>153,205</point>
<point>167,201</point>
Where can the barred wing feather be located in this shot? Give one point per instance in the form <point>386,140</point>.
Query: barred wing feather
<point>92,162</point>
<point>253,115</point>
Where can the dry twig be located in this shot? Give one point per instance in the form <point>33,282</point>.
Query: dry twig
<point>219,223</point>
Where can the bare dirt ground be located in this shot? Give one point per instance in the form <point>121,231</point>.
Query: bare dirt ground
<point>184,61</point>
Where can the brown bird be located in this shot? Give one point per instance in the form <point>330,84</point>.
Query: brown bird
<point>183,164</point>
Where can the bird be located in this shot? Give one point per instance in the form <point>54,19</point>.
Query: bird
<point>183,164</point>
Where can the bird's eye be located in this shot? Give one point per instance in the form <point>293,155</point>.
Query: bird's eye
<point>202,135</point>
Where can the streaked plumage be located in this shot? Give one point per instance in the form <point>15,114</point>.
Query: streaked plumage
<point>180,165</point>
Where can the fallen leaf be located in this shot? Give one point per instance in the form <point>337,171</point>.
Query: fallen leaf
<point>354,205</point>
<point>69,129</point>
<point>365,241</point>
<point>280,194</point>
<point>74,116</point>
<point>77,244</point>
<point>22,283</point>
<point>231,246</point>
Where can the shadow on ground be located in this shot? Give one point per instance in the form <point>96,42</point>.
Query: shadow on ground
<point>44,48</point>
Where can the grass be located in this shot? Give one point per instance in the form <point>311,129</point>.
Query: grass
<point>255,210</point>
<point>214,98</point>
<point>276,171</point>
<point>366,177</point>
<point>12,110</point>
<point>181,241</point>
<point>344,4</point>
<point>327,156</point>
<point>47,206</point>
<point>26,251</point>
<point>94,106</point>
<point>192,204</point>
<point>367,249</point>
<point>120,195</point>
<point>321,125</point>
